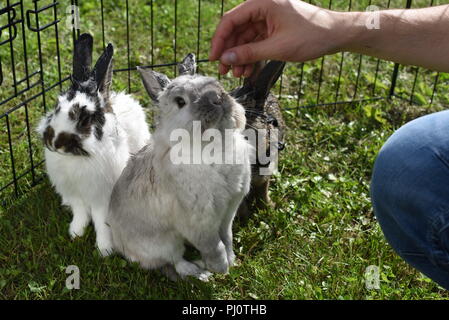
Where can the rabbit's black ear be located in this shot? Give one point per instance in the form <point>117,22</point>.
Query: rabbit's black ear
<point>82,57</point>
<point>251,80</point>
<point>187,65</point>
<point>263,79</point>
<point>154,82</point>
<point>102,72</point>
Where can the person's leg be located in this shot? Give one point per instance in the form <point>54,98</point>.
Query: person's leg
<point>410,194</point>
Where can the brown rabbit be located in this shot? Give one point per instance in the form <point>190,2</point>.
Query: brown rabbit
<point>262,112</point>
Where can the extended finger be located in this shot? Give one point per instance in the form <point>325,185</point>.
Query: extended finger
<point>237,71</point>
<point>248,70</point>
<point>243,13</point>
<point>223,69</point>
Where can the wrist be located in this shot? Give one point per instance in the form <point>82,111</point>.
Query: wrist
<point>351,30</point>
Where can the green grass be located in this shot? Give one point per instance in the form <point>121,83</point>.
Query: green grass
<point>318,241</point>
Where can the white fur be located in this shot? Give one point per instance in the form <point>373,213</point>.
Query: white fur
<point>156,205</point>
<point>131,118</point>
<point>85,183</point>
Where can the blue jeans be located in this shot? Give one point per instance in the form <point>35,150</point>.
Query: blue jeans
<point>410,194</point>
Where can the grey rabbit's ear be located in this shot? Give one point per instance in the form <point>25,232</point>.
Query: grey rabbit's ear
<point>82,57</point>
<point>154,82</point>
<point>102,72</point>
<point>187,65</point>
<point>264,77</point>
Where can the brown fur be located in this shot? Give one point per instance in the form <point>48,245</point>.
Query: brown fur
<point>258,197</point>
<point>49,135</point>
<point>71,143</point>
<point>262,113</point>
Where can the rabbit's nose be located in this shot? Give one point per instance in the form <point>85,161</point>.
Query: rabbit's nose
<point>211,98</point>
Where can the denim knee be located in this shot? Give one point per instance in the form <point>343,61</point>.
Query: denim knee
<point>410,194</point>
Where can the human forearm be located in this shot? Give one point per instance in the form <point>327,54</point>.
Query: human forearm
<point>414,36</point>
<point>292,30</point>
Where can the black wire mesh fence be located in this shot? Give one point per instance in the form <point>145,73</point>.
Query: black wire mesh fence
<point>36,42</point>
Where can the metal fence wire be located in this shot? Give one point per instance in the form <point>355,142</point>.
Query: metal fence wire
<point>36,43</point>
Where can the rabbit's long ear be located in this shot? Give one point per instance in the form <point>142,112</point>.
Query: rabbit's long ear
<point>82,57</point>
<point>187,65</point>
<point>267,78</point>
<point>154,82</point>
<point>251,80</point>
<point>102,72</point>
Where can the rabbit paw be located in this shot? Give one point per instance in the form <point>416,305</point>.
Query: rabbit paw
<point>105,250</point>
<point>104,244</point>
<point>231,258</point>
<point>204,276</point>
<point>217,264</point>
<point>77,228</point>
<point>185,268</point>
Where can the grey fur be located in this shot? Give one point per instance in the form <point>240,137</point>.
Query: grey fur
<point>157,205</point>
<point>154,82</point>
<point>187,65</point>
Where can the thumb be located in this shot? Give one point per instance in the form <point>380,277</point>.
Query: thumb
<point>248,53</point>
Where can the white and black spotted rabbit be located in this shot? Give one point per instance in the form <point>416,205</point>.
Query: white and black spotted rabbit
<point>88,138</point>
<point>159,204</point>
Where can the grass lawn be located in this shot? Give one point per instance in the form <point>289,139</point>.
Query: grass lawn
<point>322,235</point>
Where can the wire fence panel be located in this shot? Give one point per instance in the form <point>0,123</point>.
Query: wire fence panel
<point>36,43</point>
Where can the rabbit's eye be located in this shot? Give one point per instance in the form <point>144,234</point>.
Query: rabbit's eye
<point>84,118</point>
<point>84,122</point>
<point>180,101</point>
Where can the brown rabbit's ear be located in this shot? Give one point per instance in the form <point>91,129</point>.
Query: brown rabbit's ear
<point>154,82</point>
<point>187,65</point>
<point>251,80</point>
<point>82,58</point>
<point>266,78</point>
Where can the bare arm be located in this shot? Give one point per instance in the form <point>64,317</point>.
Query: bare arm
<point>292,30</point>
<point>415,36</point>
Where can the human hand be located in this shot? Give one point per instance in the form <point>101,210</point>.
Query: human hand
<point>287,30</point>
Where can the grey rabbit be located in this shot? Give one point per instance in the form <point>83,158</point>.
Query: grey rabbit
<point>158,205</point>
